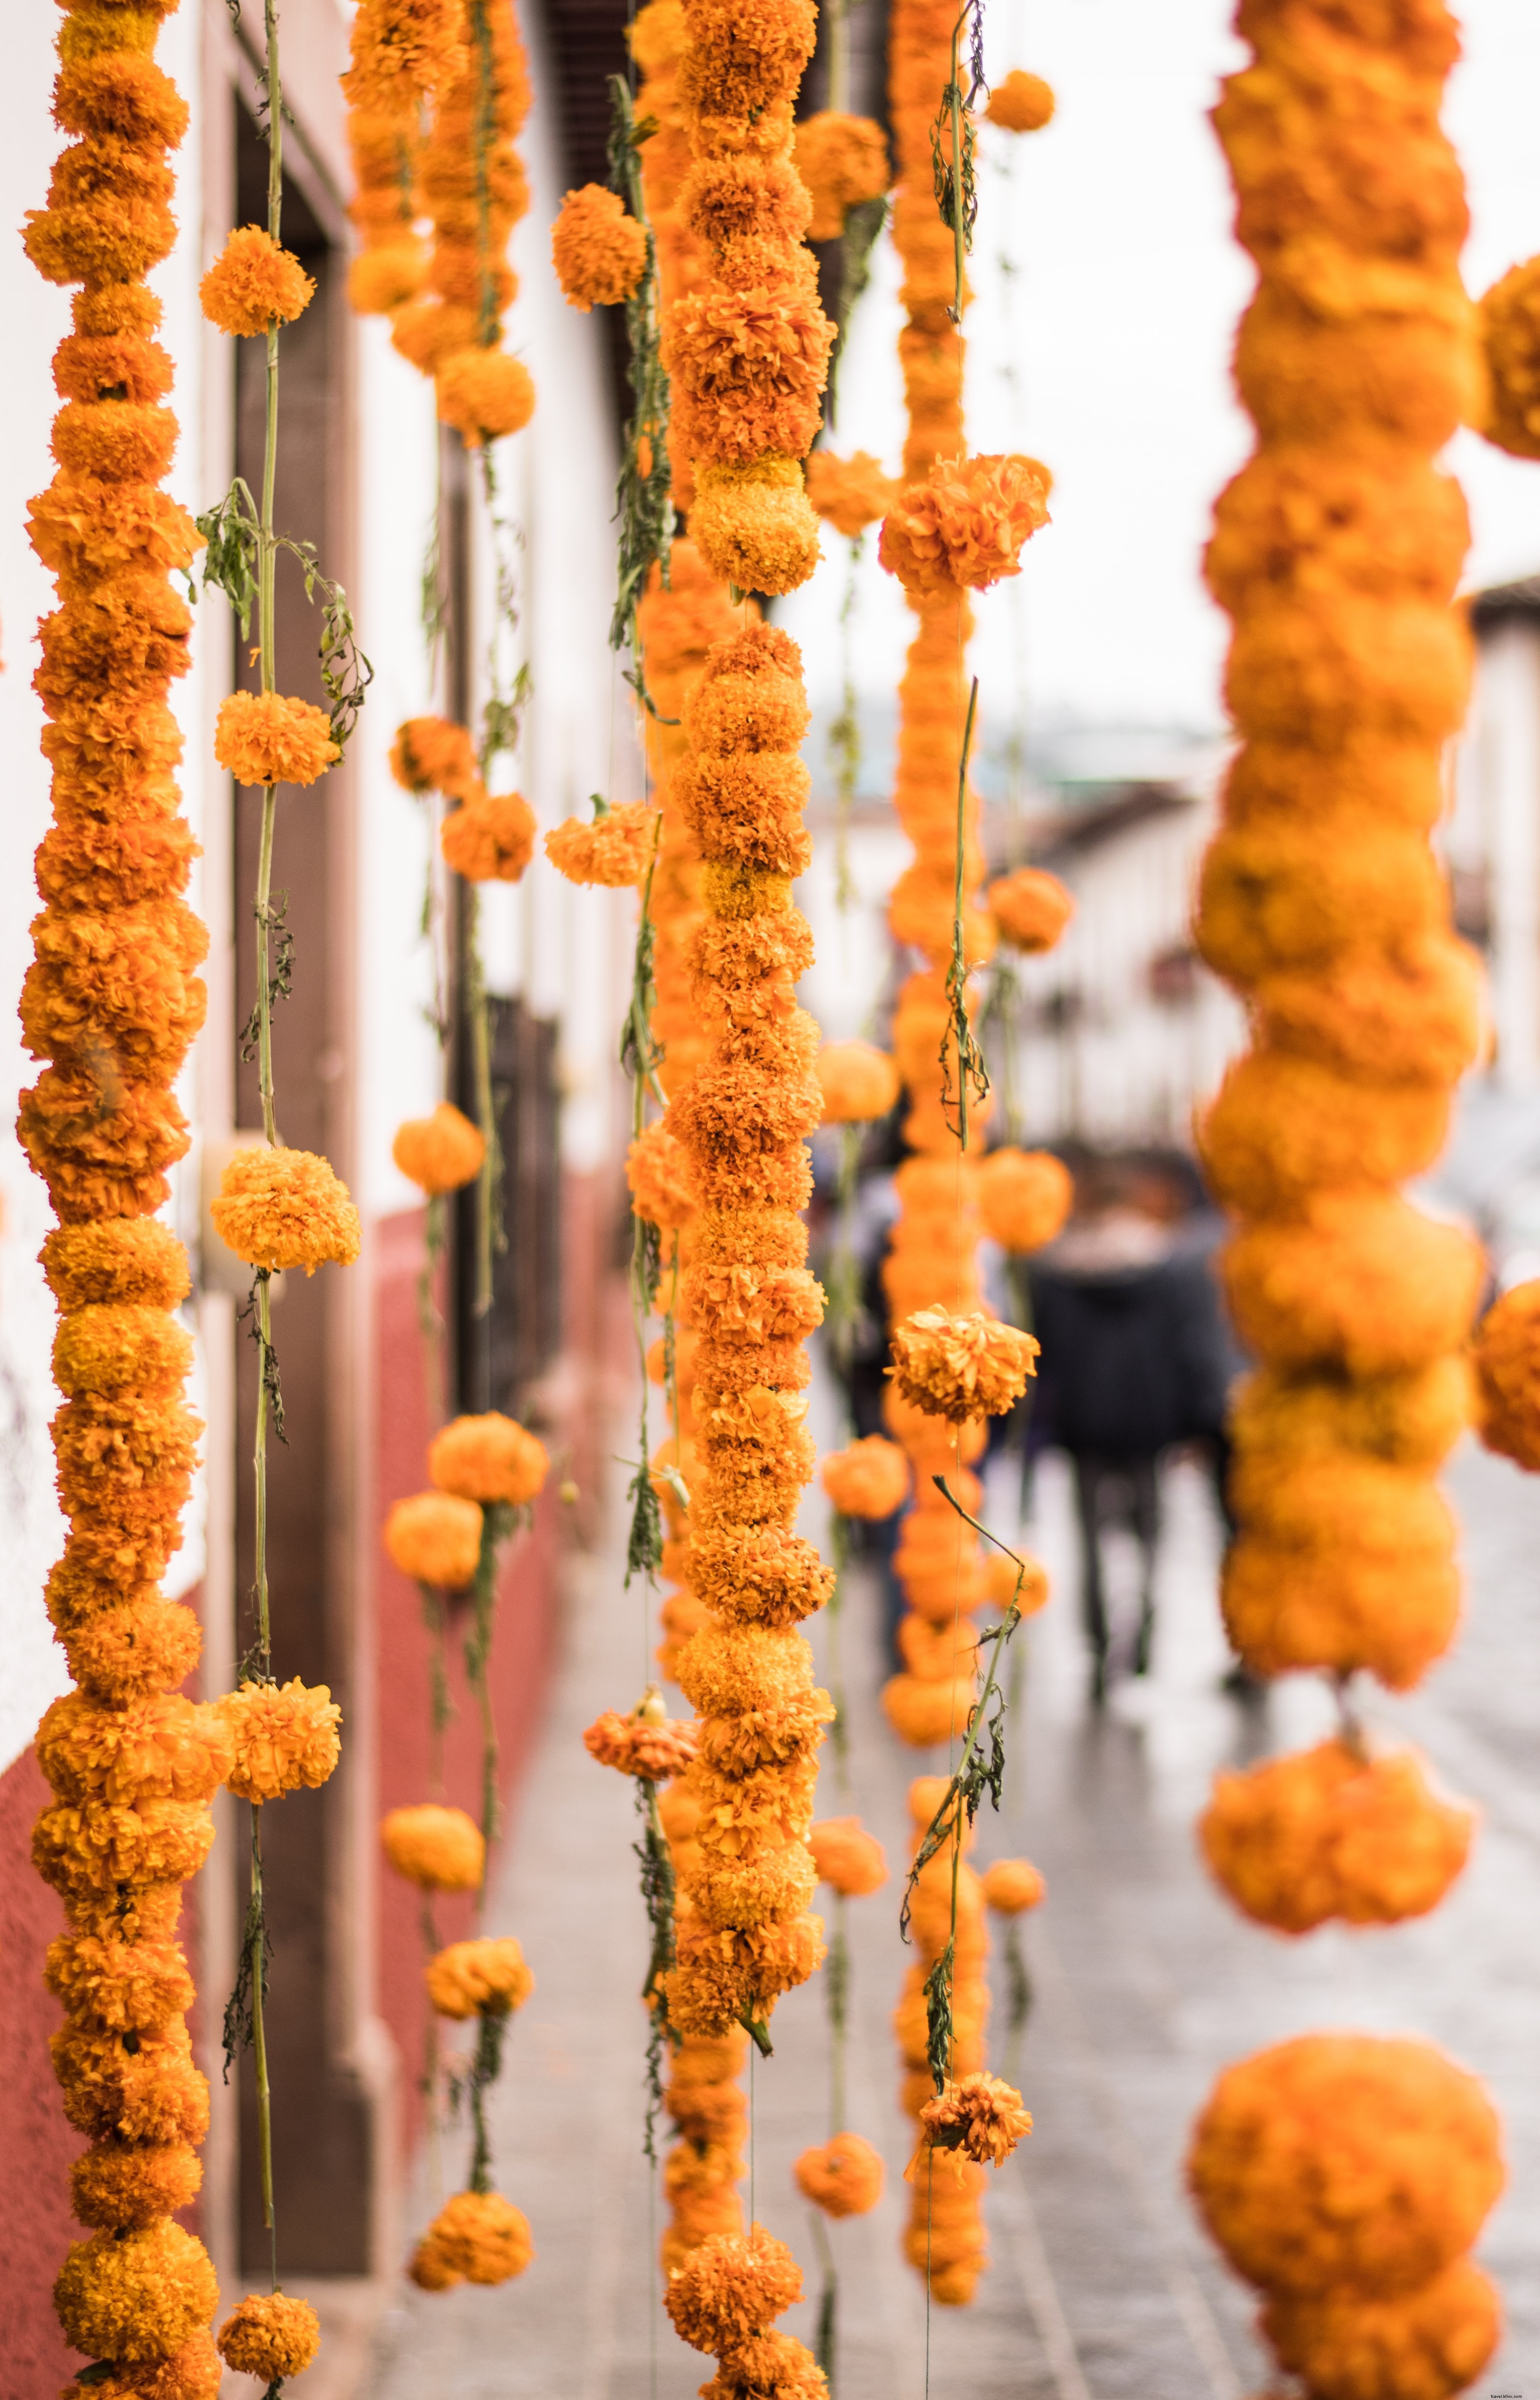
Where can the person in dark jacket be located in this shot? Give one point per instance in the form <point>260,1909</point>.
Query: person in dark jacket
<point>1136,1360</point>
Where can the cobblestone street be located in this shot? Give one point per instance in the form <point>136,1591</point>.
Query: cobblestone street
<point>1101,2287</point>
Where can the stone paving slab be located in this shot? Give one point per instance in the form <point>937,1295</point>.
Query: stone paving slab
<point>1101,2287</point>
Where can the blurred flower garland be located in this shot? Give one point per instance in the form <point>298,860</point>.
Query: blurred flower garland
<point>1336,552</point>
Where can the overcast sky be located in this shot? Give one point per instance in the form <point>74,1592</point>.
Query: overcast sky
<point>1118,326</point>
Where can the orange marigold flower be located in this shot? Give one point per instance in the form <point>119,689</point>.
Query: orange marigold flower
<point>490,837</point>
<point>1509,323</point>
<point>254,284</point>
<point>135,2298</point>
<point>1506,1357</point>
<point>964,526</point>
<point>486,1977</point>
<point>485,395</point>
<point>850,494</point>
<point>843,161</point>
<point>285,1739</point>
<point>432,754</point>
<point>478,2237</point>
<point>403,52</point>
<point>733,2287</point>
<point>269,2335</point>
<point>959,1367</point>
<point>1024,1197</point>
<point>1030,908</point>
<point>843,2178</point>
<point>490,1459</point>
<point>868,1478</point>
<point>1020,102</point>
<point>262,738</point>
<point>441,1152</point>
<point>924,1713</point>
<point>979,2116</point>
<point>435,1538</point>
<point>1012,1885</point>
<point>847,1857</point>
<point>617,848</point>
<point>440,1849</point>
<point>135,1261</point>
<point>1422,2345</point>
<point>284,1208</point>
<point>128,2183</point>
<point>754,525</point>
<point>598,250</point>
<point>1345,2160</point>
<point>658,1171</point>
<point>858,1081</point>
<point>647,1743</point>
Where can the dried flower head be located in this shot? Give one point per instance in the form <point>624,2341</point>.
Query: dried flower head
<point>1030,908</point>
<point>285,1209</point>
<point>977,2117</point>
<point>254,284</point>
<point>615,850</point>
<point>969,1365</point>
<point>847,1857</point>
<point>440,1849</point>
<point>490,837</point>
<point>870,1478</point>
<point>477,2237</point>
<point>486,1977</point>
<point>441,1152</point>
<point>285,1739</point>
<point>432,754</point>
<point>843,2178</point>
<point>435,1538</point>
<point>964,528</point>
<point>1020,102</point>
<point>260,736</point>
<point>490,1459</point>
<point>658,1170</point>
<point>1012,1885</point>
<point>858,1081</point>
<point>485,394</point>
<point>647,1742</point>
<point>598,250</point>
<point>270,2336</point>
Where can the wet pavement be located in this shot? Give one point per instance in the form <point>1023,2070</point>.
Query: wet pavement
<point>1101,2287</point>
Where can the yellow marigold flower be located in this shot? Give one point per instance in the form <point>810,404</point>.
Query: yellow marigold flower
<point>441,1152</point>
<point>285,1209</point>
<point>432,754</point>
<point>260,736</point>
<point>490,837</point>
<point>732,2287</point>
<point>488,1459</point>
<point>269,2336</point>
<point>964,528</point>
<point>843,2178</point>
<point>858,1081</point>
<point>1012,1886</point>
<point>755,525</point>
<point>1030,908</point>
<point>617,848</point>
<point>131,2183</point>
<point>485,395</point>
<point>847,1857</point>
<point>440,1849</point>
<point>120,1986</point>
<point>478,2237</point>
<point>658,1171</point>
<point>254,284</point>
<point>482,1978</point>
<point>979,2117</point>
<point>599,251</point>
<point>285,1739</point>
<point>843,161</point>
<point>868,1478</point>
<point>1024,1197</point>
<point>135,2296</point>
<point>1020,102</point>
<point>646,1743</point>
<point>850,494</point>
<point>135,1261</point>
<point>435,1538</point>
<point>107,1349</point>
<point>960,1366</point>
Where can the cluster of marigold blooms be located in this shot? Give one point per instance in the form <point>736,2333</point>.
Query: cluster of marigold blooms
<point>113,1002</point>
<point>1336,553</point>
<point>437,93</point>
<point>486,836</point>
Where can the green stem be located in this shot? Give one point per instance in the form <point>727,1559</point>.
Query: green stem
<point>838,1989</point>
<point>484,2073</point>
<point>959,225</point>
<point>960,951</point>
<point>259,2041</point>
<point>478,1007</point>
<point>483,129</point>
<point>839,1542</point>
<point>259,1464</point>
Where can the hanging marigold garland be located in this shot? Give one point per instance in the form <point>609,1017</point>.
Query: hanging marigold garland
<point>112,1002</point>
<point>1336,552</point>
